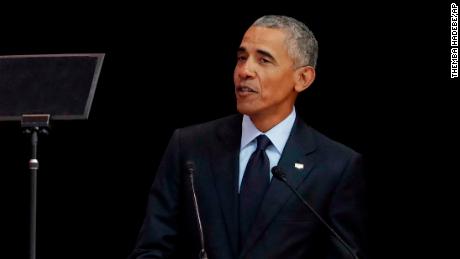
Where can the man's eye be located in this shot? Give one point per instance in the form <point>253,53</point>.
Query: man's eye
<point>264,60</point>
<point>241,58</point>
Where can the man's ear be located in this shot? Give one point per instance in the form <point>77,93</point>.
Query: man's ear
<point>304,77</point>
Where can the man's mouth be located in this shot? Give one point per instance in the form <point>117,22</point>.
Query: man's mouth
<point>245,89</point>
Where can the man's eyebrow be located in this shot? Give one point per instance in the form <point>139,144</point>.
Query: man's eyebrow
<point>259,51</point>
<point>265,53</point>
<point>241,49</point>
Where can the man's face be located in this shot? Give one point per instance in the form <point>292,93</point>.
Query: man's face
<point>264,75</point>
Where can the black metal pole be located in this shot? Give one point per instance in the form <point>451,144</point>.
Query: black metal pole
<point>33,166</point>
<point>34,124</point>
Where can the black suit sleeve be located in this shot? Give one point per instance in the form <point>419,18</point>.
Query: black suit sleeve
<point>348,210</point>
<point>159,233</point>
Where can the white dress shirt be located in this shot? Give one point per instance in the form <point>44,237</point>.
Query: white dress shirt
<point>278,135</point>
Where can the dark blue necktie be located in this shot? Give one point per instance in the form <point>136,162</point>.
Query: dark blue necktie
<point>255,182</point>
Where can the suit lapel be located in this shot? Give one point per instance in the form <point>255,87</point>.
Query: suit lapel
<point>225,163</point>
<point>299,145</point>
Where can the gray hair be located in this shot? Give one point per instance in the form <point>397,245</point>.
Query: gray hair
<point>301,43</point>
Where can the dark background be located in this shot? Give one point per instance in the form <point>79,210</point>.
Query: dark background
<point>383,88</point>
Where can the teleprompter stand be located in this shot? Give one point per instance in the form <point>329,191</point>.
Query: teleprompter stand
<point>34,125</point>
<point>36,89</point>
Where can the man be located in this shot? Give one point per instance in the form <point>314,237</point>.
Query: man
<point>245,212</point>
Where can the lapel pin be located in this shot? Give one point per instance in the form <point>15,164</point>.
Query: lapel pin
<point>298,166</point>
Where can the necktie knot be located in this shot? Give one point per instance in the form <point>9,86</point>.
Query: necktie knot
<point>263,142</point>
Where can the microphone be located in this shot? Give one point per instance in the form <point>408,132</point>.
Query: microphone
<point>191,171</point>
<point>280,175</point>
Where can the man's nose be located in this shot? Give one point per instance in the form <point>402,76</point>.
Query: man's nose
<point>247,70</point>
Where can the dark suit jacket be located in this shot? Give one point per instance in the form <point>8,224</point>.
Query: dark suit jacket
<point>331,181</point>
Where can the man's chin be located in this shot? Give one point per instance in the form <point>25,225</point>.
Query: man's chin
<point>244,109</point>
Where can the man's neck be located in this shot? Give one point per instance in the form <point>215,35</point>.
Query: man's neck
<point>264,122</point>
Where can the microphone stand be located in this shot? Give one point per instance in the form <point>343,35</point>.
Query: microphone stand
<point>280,175</point>
<point>191,170</point>
<point>34,125</point>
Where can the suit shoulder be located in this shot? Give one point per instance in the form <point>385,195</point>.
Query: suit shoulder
<point>206,128</point>
<point>332,146</point>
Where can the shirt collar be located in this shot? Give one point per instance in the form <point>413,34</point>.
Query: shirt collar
<point>278,135</point>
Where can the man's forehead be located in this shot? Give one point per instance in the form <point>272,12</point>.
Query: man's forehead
<point>262,37</point>
<point>257,34</point>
